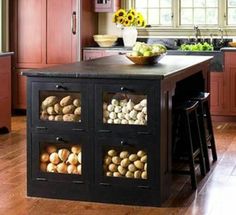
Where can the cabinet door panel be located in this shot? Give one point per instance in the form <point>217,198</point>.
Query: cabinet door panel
<point>30,30</point>
<point>60,40</point>
<point>233,89</point>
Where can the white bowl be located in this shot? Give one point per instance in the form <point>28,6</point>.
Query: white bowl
<point>105,40</point>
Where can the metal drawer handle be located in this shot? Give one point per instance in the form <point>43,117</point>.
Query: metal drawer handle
<point>73,23</point>
<point>61,87</point>
<point>60,139</point>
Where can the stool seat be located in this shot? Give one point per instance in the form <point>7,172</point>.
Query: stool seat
<point>186,144</point>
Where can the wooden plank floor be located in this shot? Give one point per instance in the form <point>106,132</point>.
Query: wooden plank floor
<point>216,193</point>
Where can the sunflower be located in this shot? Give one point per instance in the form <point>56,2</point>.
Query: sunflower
<point>127,22</point>
<point>133,12</point>
<point>130,17</point>
<point>120,20</point>
<point>120,13</point>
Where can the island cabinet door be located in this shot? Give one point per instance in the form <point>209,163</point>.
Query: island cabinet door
<point>131,107</point>
<point>59,105</point>
<point>126,162</point>
<point>59,158</point>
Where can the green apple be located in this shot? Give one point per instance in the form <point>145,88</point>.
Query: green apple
<point>147,53</point>
<point>135,53</point>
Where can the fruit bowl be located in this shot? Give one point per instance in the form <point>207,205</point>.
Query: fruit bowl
<point>105,40</point>
<point>232,44</point>
<point>145,60</point>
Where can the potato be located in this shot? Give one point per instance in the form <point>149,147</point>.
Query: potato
<point>43,167</point>
<point>58,118</point>
<point>58,108</point>
<point>133,157</point>
<point>124,154</point>
<point>44,115</point>
<point>69,109</point>
<point>72,159</point>
<point>116,174</point>
<point>105,114</point>
<point>141,153</point>
<point>132,167</point>
<point>112,152</point>
<point>129,174</point>
<point>49,101</point>
<point>122,170</point>
<point>137,174</point>
<point>66,101</point>
<point>144,175</point>
<point>79,169</point>
<point>125,162</point>
<point>80,157</point>
<point>109,174</point>
<point>76,149</point>
<point>72,169</point>
<point>50,110</point>
<point>50,149</point>
<point>51,167</point>
<point>70,118</point>
<point>76,102</point>
<point>51,118</point>
<point>77,111</point>
<point>112,167</point>
<point>107,160</point>
<point>54,158</point>
<point>44,157</point>
<point>116,160</point>
<point>62,168</point>
<point>63,154</point>
<point>139,164</point>
<point>144,159</point>
<point>145,167</point>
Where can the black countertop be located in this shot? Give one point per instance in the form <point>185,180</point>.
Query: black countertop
<point>120,67</point>
<point>6,53</point>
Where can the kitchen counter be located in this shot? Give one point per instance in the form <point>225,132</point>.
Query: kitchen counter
<point>6,53</point>
<point>121,67</point>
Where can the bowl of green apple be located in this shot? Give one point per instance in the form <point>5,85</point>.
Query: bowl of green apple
<point>146,54</point>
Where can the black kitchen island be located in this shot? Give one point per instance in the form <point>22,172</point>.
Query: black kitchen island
<point>100,130</point>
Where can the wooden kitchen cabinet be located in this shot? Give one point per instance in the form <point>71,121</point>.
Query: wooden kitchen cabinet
<point>92,54</point>
<point>5,93</point>
<point>218,94</point>
<point>46,32</point>
<point>107,5</point>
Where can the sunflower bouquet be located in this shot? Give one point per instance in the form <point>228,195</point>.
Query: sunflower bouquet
<point>128,18</point>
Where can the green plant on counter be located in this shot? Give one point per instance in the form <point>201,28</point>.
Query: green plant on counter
<point>197,47</point>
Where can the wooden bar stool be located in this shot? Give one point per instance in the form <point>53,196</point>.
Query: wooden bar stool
<point>187,144</point>
<point>205,124</point>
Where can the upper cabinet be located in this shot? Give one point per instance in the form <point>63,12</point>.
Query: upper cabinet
<point>107,5</point>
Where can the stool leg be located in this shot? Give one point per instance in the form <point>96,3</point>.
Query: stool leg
<point>203,136</point>
<point>188,139</point>
<point>201,154</point>
<point>210,129</point>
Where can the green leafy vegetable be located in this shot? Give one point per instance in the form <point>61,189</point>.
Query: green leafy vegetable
<point>197,47</point>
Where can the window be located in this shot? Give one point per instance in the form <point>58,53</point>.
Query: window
<point>200,12</point>
<point>231,15</point>
<point>156,12</point>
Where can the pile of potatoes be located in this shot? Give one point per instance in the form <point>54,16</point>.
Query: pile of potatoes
<point>124,164</point>
<point>66,109</point>
<point>61,160</point>
<point>125,112</point>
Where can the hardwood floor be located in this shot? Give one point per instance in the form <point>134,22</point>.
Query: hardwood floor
<point>215,194</point>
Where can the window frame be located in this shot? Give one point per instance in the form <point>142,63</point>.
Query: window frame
<point>177,30</point>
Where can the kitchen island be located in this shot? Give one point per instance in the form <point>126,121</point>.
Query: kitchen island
<point>100,130</point>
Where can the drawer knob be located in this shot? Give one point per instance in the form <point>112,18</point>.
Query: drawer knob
<point>61,87</point>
